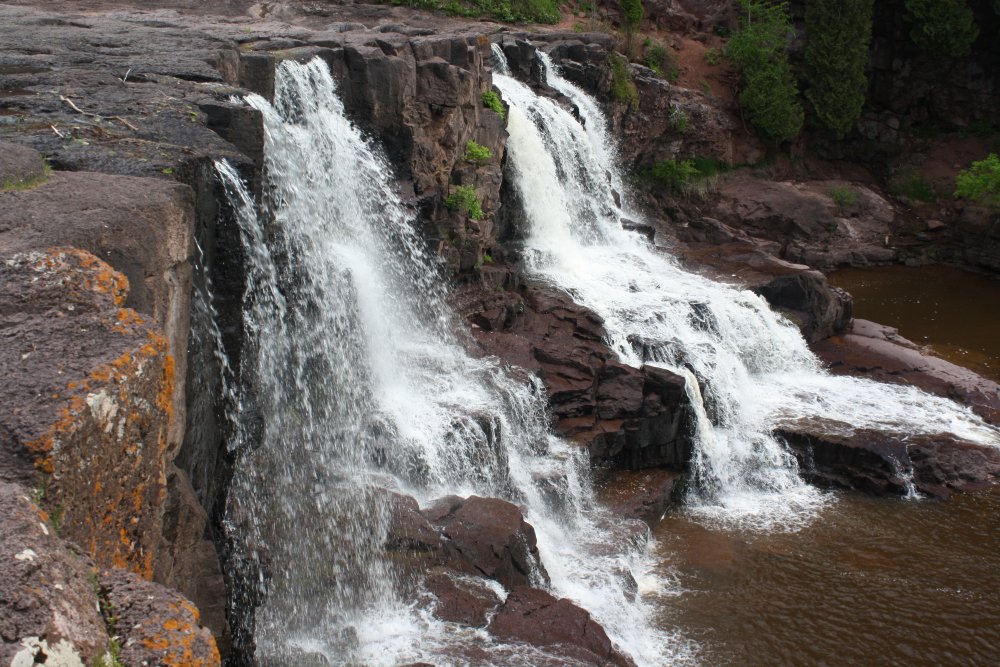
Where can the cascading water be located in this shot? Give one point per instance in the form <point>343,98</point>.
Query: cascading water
<point>353,380</point>
<point>748,369</point>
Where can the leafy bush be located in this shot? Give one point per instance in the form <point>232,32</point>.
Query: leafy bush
<point>981,181</point>
<point>679,120</point>
<point>476,153</point>
<point>713,56</point>
<point>492,101</point>
<point>464,199</point>
<point>631,18</point>
<point>838,33</point>
<point>673,174</point>
<point>843,196</point>
<point>913,186</point>
<point>622,86</point>
<point>658,59</point>
<point>770,95</point>
<point>945,27</point>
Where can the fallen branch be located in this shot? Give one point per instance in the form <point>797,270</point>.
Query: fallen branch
<point>97,116</point>
<point>58,133</point>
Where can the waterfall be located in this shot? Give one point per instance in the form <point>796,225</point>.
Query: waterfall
<point>748,369</point>
<point>355,380</point>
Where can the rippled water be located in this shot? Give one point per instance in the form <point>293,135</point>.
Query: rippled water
<point>955,312</point>
<point>871,582</point>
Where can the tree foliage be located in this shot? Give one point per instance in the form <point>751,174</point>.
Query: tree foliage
<point>760,50</point>
<point>838,33</point>
<point>981,181</point>
<point>942,27</point>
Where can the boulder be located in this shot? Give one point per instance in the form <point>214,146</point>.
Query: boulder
<point>461,599</point>
<point>20,166</point>
<point>639,494</point>
<point>535,617</point>
<point>489,537</point>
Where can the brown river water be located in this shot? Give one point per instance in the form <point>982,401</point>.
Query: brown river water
<point>954,312</point>
<point>871,581</point>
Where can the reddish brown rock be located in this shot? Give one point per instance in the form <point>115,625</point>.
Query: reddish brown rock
<point>878,352</point>
<point>459,599</point>
<point>155,625</point>
<point>489,537</point>
<point>638,494</point>
<point>48,602</point>
<point>627,417</point>
<point>87,402</point>
<point>535,617</point>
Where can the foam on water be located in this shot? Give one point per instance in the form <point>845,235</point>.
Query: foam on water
<point>748,369</point>
<point>354,380</point>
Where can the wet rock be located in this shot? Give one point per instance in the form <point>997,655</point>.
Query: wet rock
<point>489,537</point>
<point>878,352</point>
<point>156,626</point>
<point>48,603</point>
<point>627,417</point>
<point>535,617</point>
<point>462,599</point>
<point>639,494</point>
<point>885,463</point>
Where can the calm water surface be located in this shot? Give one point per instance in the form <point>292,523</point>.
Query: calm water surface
<point>871,582</point>
<point>955,312</point>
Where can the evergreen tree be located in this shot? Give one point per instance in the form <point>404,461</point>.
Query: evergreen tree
<point>838,33</point>
<point>760,51</point>
<point>631,18</point>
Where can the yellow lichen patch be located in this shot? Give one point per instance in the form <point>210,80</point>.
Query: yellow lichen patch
<point>101,278</point>
<point>127,320</point>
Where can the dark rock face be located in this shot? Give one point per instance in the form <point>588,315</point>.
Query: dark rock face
<point>20,166</point>
<point>627,417</point>
<point>879,462</point>
<point>536,617</point>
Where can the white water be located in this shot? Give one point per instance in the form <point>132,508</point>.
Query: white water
<point>354,380</point>
<point>748,369</point>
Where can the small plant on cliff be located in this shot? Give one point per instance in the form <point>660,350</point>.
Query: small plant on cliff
<point>838,33</point>
<point>622,86</point>
<point>942,27</point>
<point>912,186</point>
<point>29,183</point>
<point>658,59</point>
<point>672,174</point>
<point>492,101</point>
<point>463,198</point>
<point>476,153</point>
<point>981,182</point>
<point>679,120</point>
<point>843,196</point>
<point>770,95</point>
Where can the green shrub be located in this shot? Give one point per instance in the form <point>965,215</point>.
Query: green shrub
<point>622,86</point>
<point>713,56</point>
<point>838,33</point>
<point>679,120</point>
<point>476,153</point>
<point>492,101</point>
<point>673,174</point>
<point>658,59</point>
<point>770,95</point>
<point>981,181</point>
<point>631,18</point>
<point>913,186</point>
<point>843,196</point>
<point>942,27</point>
<point>464,199</point>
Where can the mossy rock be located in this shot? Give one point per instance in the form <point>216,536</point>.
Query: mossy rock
<point>21,167</point>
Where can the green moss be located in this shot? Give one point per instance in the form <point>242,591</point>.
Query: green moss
<point>492,101</point>
<point>463,198</point>
<point>672,174</point>
<point>28,184</point>
<point>622,86</point>
<point>843,196</point>
<point>476,153</point>
<point>981,181</point>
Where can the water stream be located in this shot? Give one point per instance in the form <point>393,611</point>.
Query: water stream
<point>752,368</point>
<point>355,381</point>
